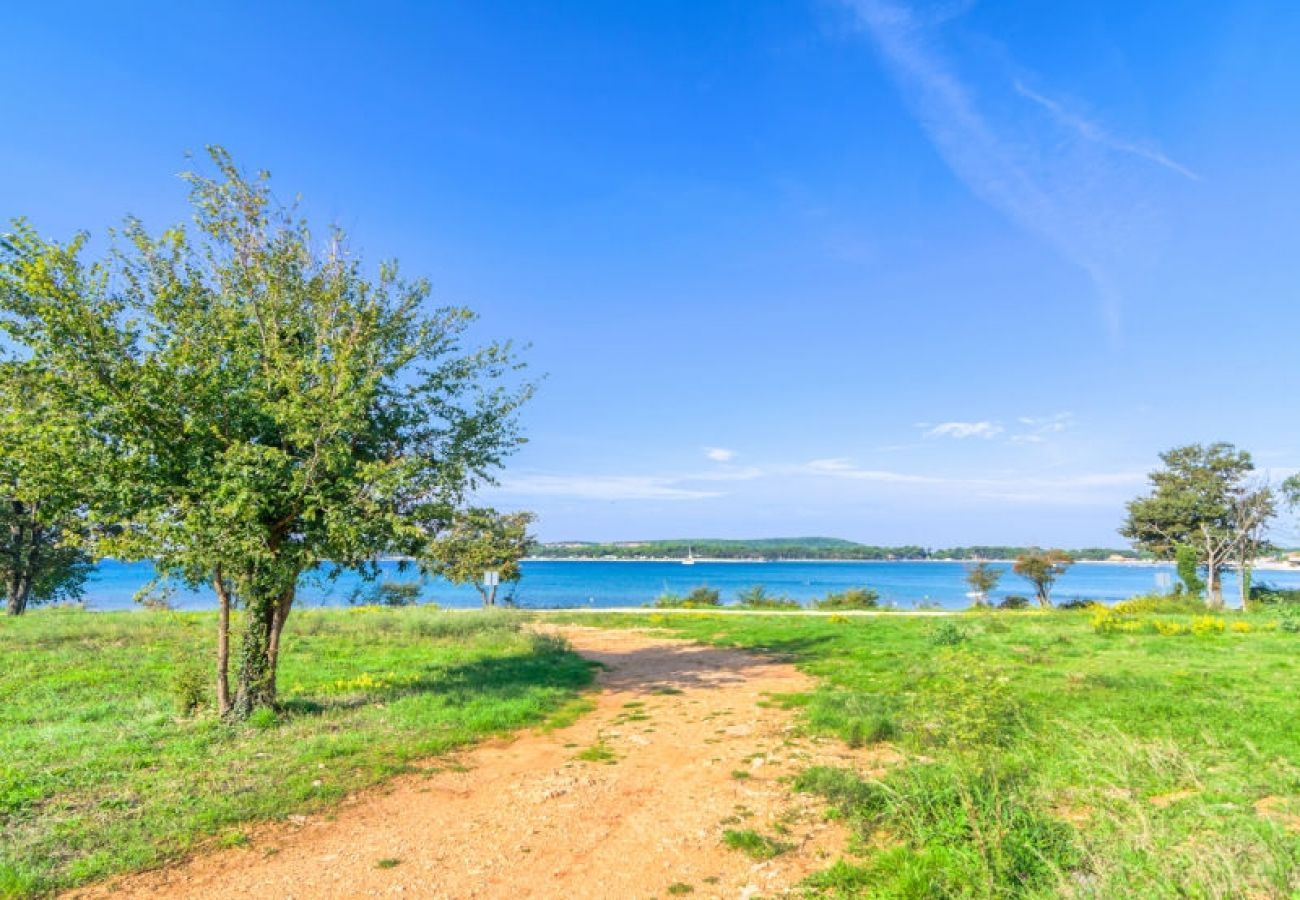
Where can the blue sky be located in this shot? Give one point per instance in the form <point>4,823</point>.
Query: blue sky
<point>899,272</point>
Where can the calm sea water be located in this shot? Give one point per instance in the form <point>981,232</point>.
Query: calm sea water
<point>552,584</point>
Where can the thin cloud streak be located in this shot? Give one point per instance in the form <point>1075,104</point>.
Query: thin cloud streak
<point>1069,192</point>
<point>1091,131</point>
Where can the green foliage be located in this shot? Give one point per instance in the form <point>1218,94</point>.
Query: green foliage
<point>1187,560</point>
<point>1041,568</point>
<point>189,684</point>
<point>1014,601</point>
<point>702,597</point>
<point>388,593</point>
<point>252,401</point>
<point>966,829</point>
<point>1271,595</point>
<point>757,597</point>
<point>968,706</point>
<point>1204,511</point>
<point>480,540</point>
<point>42,557</point>
<point>754,845</point>
<point>982,578</point>
<point>853,598</point>
<point>947,634</point>
<point>1161,604</point>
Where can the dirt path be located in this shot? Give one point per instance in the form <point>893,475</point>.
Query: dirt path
<point>694,750</point>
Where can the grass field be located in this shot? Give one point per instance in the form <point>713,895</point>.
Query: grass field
<point>1045,758</point>
<point>104,766</point>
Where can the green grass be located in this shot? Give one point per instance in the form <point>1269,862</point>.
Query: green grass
<point>754,845</point>
<point>1043,758</point>
<point>103,771</point>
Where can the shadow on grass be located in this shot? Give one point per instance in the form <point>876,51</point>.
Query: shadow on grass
<point>664,668</point>
<point>477,681</point>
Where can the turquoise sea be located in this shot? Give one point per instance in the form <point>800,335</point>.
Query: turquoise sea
<point>559,584</point>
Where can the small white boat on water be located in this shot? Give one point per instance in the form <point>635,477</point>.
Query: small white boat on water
<point>690,557</point>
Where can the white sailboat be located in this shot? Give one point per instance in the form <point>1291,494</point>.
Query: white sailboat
<point>690,556</point>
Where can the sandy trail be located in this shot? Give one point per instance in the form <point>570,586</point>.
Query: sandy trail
<point>527,818</point>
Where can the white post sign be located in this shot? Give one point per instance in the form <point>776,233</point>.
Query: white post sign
<point>491,578</point>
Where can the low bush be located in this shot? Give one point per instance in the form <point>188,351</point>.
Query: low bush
<point>947,634</point>
<point>1014,601</point>
<point>853,598</point>
<point>1161,604</point>
<point>1077,603</point>
<point>699,598</point>
<point>757,597</point>
<point>1271,595</point>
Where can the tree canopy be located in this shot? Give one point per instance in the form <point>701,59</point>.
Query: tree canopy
<point>1204,498</point>
<point>258,402</point>
<point>41,509</point>
<point>1041,568</point>
<point>481,540</point>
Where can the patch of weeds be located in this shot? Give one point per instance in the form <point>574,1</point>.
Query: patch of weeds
<point>740,774</point>
<point>635,704</point>
<point>233,839</point>
<point>666,691</point>
<point>569,713</point>
<point>947,634</point>
<point>754,845</point>
<point>976,823</point>
<point>388,862</point>
<point>680,887</point>
<point>598,752</point>
<point>263,718</point>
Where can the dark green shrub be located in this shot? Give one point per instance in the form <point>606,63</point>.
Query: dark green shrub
<point>853,598</point>
<point>189,684</point>
<point>1271,595</point>
<point>1076,604</point>
<point>757,597</point>
<point>1014,601</point>
<point>699,598</point>
<point>947,634</point>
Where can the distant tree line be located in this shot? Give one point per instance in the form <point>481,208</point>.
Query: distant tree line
<point>794,548</point>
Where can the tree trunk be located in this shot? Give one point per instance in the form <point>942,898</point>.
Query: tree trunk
<point>1244,573</point>
<point>1214,583</point>
<point>19,592</point>
<point>255,682</point>
<point>223,644</point>
<point>259,653</point>
<point>1044,598</point>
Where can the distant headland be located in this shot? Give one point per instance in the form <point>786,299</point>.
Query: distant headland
<point>800,548</point>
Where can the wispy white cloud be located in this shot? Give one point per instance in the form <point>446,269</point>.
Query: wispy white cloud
<point>1092,131</point>
<point>1037,430</point>
<point>840,467</point>
<point>1099,488</point>
<point>603,487</point>
<point>961,430</point>
<point>720,454</point>
<point>1061,180</point>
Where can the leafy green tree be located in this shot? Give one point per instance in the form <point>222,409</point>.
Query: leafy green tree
<point>1203,497</point>
<point>257,402</point>
<point>1041,568</point>
<point>481,540</point>
<point>41,554</point>
<point>1187,563</point>
<point>982,578</point>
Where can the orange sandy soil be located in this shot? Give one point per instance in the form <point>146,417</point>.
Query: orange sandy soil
<point>527,818</point>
